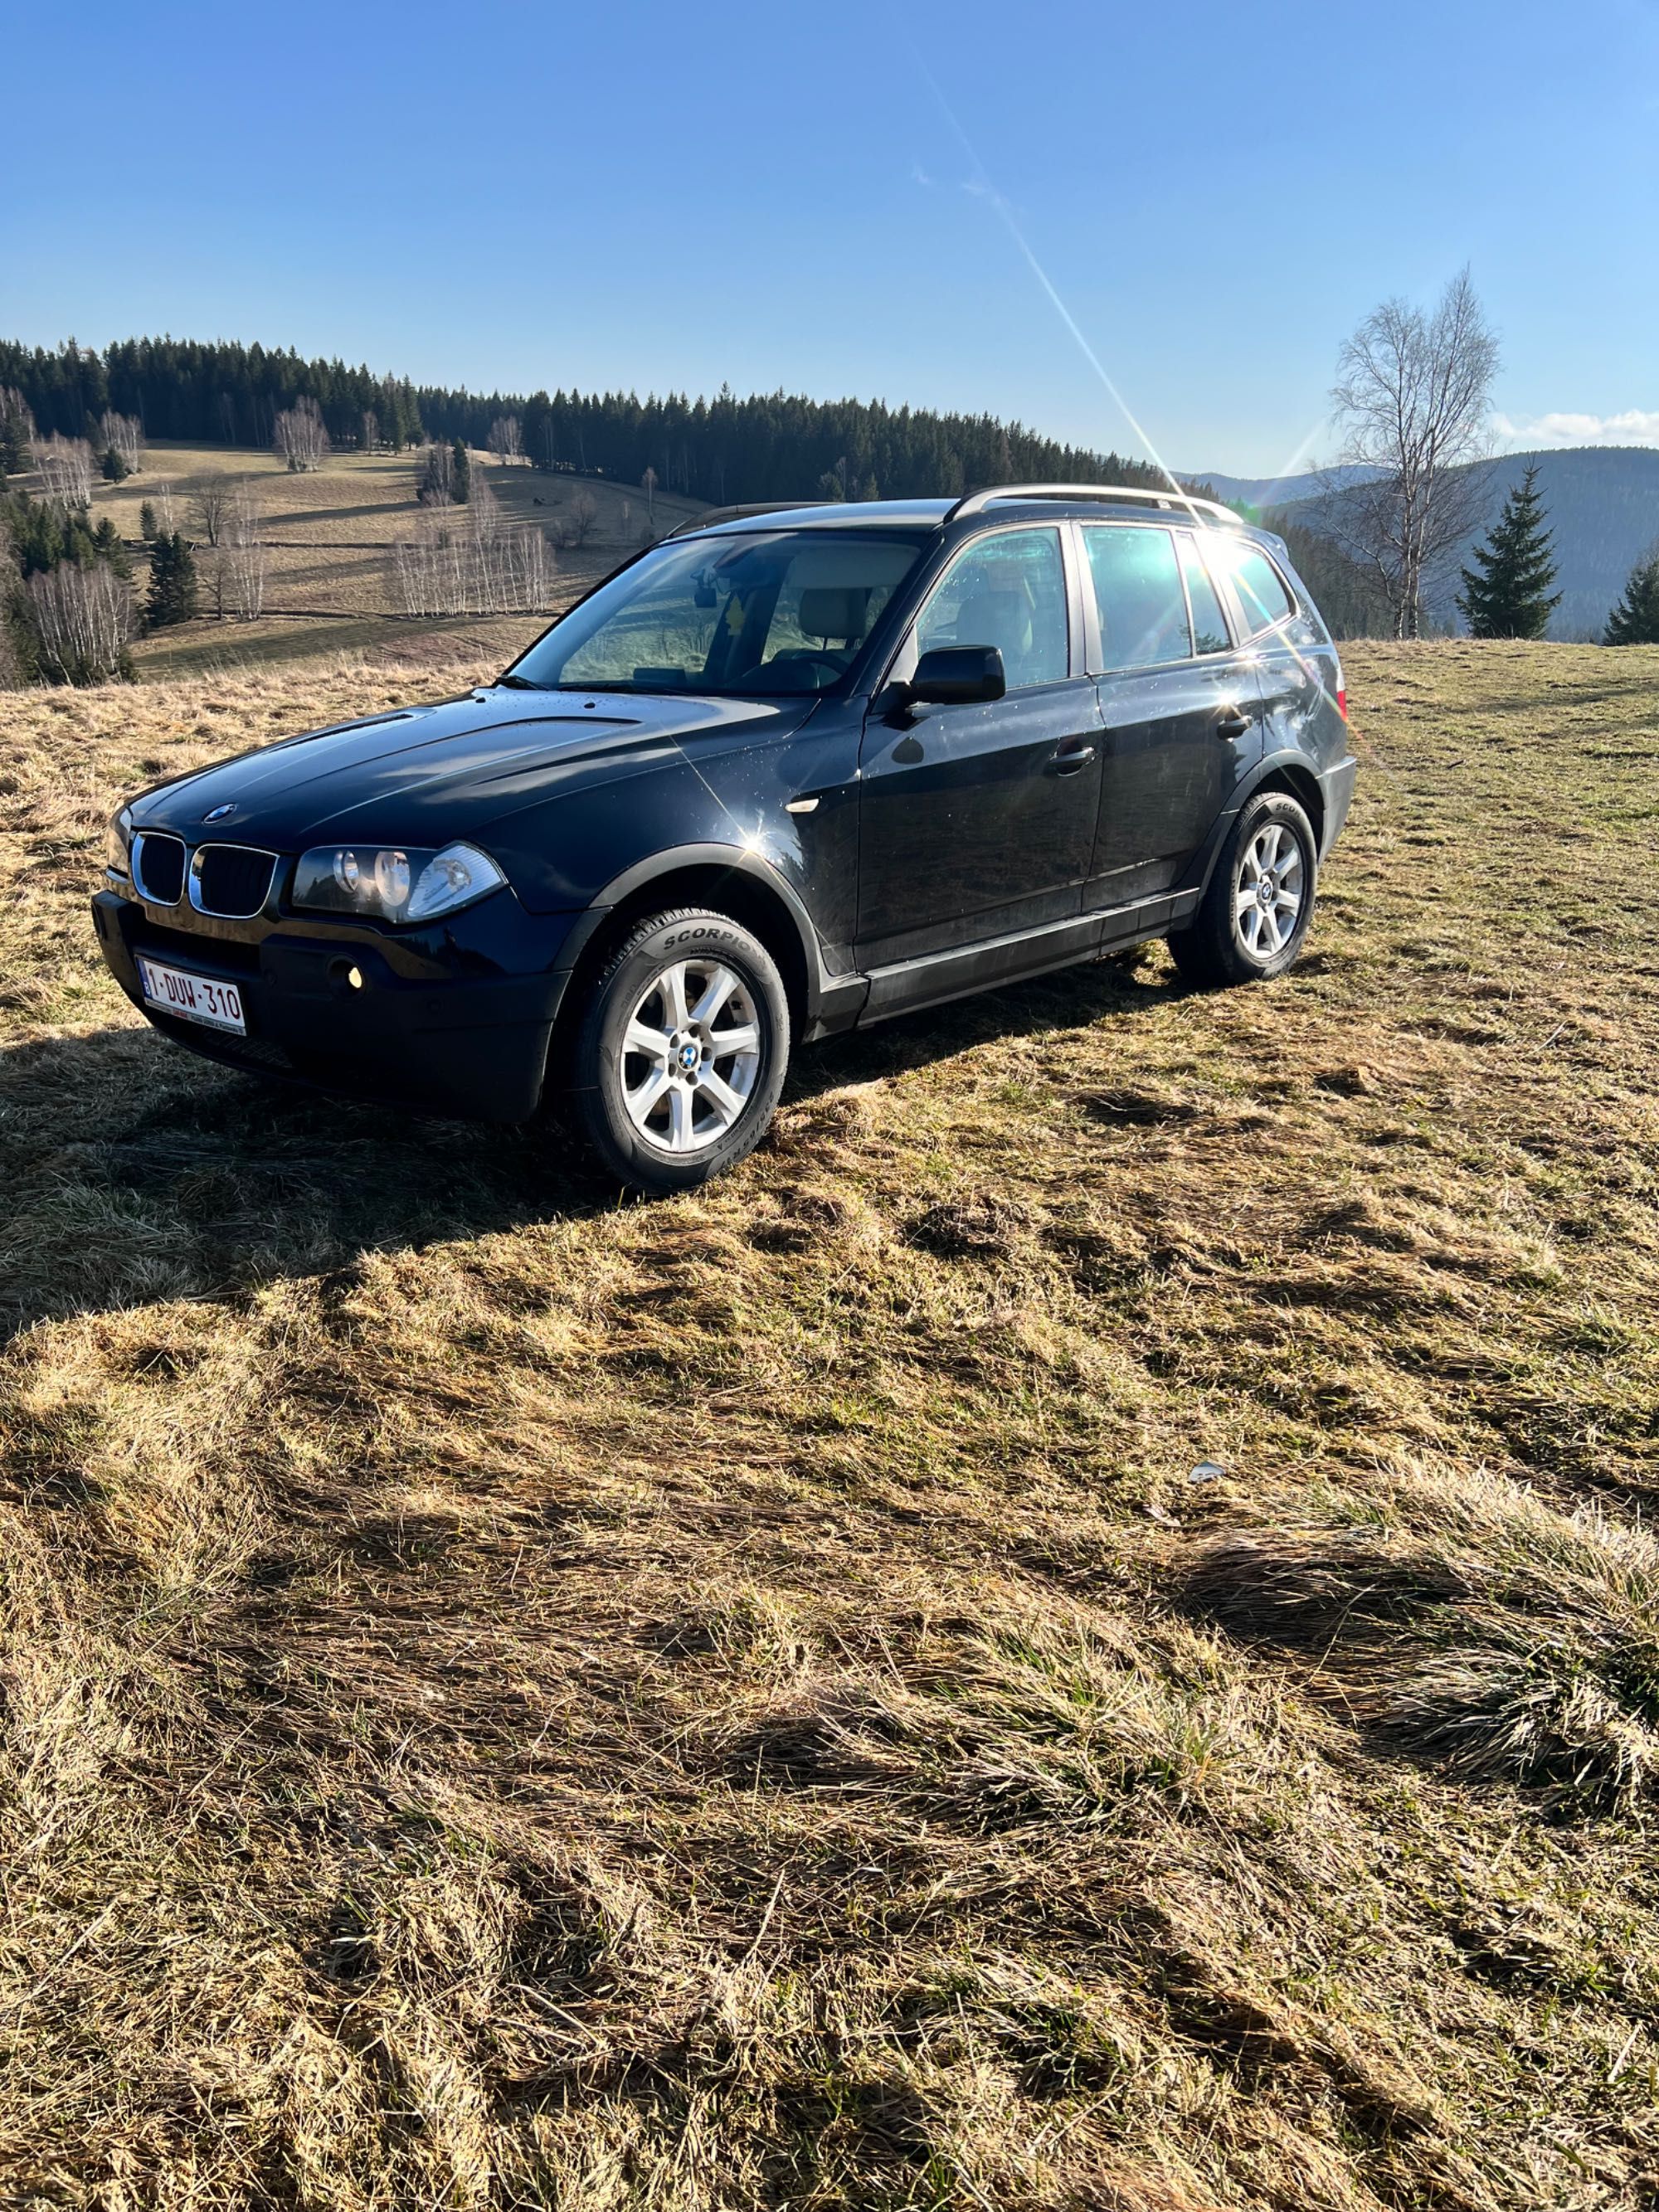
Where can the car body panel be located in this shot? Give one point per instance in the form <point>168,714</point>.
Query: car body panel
<point>975,822</point>
<point>1169,768</point>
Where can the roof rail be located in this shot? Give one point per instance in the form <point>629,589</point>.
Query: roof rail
<point>975,503</point>
<point>712,515</point>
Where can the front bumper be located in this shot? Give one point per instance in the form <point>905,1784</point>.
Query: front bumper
<point>454,1018</point>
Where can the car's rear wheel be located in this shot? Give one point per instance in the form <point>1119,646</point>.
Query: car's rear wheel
<point>1256,913</point>
<point>681,1050</point>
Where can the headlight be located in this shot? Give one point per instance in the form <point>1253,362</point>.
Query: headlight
<point>118,843</point>
<point>393,883</point>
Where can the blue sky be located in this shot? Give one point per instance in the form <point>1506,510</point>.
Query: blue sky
<point>833,198</point>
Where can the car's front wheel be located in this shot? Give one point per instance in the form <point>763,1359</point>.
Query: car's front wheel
<point>681,1050</point>
<point>1256,911</point>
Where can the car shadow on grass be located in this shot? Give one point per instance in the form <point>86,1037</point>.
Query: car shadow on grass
<point>134,1172</point>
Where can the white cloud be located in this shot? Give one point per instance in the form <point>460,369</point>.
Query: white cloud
<point>1637,426</point>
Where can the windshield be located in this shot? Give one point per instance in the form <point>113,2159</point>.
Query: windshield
<point>783,614</point>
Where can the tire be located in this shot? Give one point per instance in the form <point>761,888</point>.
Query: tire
<point>1254,916</point>
<point>700,1096</point>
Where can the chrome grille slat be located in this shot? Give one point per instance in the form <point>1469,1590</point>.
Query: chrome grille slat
<point>231,881</point>
<point>158,867</point>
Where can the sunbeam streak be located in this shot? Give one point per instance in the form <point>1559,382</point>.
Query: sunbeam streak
<point>983,188</point>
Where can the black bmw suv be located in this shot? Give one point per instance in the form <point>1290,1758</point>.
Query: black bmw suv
<point>788,772</point>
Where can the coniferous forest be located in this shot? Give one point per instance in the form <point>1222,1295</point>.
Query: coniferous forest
<point>774,446</point>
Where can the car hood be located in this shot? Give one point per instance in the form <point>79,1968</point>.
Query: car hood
<point>422,776</point>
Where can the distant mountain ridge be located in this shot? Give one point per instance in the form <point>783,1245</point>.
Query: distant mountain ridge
<point>1273,491</point>
<point>1603,509</point>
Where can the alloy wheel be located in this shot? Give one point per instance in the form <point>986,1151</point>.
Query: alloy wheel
<point>1268,890</point>
<point>691,1055</point>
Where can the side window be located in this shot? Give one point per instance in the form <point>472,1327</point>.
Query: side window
<point>1143,609</point>
<point>1008,591</point>
<point>1209,623</point>
<point>1260,588</point>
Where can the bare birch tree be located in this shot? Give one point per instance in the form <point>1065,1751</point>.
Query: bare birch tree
<point>165,511</point>
<point>82,620</point>
<point>124,434</point>
<point>209,508</point>
<point>1413,394</point>
<point>507,440</point>
<point>649,486</point>
<point>473,565</point>
<point>245,555</point>
<point>65,466</point>
<point>582,516</point>
<point>371,430</point>
<point>301,437</point>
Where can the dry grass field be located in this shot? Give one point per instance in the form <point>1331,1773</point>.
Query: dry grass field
<point>513,1698</point>
<point>330,533</point>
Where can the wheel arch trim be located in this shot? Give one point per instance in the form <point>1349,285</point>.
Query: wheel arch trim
<point>1287,767</point>
<point>821,986</point>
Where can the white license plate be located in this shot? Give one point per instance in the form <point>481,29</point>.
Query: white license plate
<point>192,998</point>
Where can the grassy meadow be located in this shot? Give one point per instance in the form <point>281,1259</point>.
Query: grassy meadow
<point>1083,1631</point>
<point>329,533</point>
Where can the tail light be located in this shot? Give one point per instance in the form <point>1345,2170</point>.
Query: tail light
<point>1342,702</point>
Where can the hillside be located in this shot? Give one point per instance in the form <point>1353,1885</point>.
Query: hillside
<point>330,536</point>
<point>759,445</point>
<point>1603,505</point>
<point>1081,1633</point>
<point>1272,491</point>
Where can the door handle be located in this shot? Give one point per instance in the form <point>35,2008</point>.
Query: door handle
<point>1070,755</point>
<point>1231,722</point>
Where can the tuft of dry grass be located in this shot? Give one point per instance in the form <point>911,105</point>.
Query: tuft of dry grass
<point>1077,1633</point>
<point>1498,1633</point>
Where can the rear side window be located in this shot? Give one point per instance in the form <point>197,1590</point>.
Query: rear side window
<point>1209,623</point>
<point>1008,591</point>
<point>1260,588</point>
<point>1142,607</point>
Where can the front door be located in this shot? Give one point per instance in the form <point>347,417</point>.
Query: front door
<point>1180,706</point>
<point>978,822</point>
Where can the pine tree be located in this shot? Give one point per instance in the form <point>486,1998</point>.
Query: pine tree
<point>171,581</point>
<point>461,483</point>
<point>147,522</point>
<point>1510,597</point>
<point>114,468</point>
<point>1635,620</point>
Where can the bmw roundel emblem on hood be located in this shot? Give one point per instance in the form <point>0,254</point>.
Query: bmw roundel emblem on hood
<point>218,813</point>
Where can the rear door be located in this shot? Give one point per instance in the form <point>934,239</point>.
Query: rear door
<point>979,822</point>
<point>1294,660</point>
<point>1180,705</point>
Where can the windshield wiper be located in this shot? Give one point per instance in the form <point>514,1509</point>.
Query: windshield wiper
<point>517,683</point>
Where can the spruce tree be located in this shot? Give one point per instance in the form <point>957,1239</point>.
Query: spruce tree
<point>171,581</point>
<point>114,468</point>
<point>16,431</point>
<point>147,522</point>
<point>1635,620</point>
<point>462,484</point>
<point>1510,596</point>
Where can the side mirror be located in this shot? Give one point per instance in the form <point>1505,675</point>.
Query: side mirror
<point>958,676</point>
